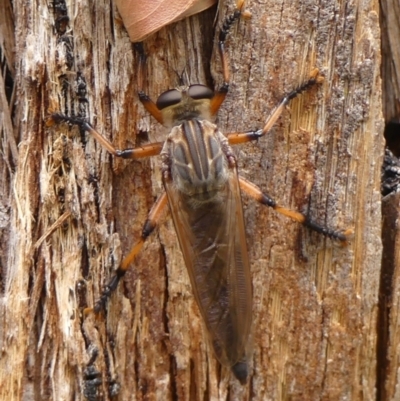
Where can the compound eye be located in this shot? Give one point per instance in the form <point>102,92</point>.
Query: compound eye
<point>168,98</point>
<point>200,92</point>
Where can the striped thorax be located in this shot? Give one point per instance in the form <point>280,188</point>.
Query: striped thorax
<point>198,165</point>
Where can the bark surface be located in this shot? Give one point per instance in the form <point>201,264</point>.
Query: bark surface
<point>388,321</point>
<point>69,212</point>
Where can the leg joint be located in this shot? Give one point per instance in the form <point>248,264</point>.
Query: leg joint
<point>124,153</point>
<point>224,88</point>
<point>143,97</point>
<point>266,200</point>
<point>148,228</point>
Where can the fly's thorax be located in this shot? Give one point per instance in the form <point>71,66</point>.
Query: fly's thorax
<point>197,162</point>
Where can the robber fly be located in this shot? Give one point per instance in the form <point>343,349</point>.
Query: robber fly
<point>202,188</point>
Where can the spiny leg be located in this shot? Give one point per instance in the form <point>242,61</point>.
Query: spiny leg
<point>255,192</point>
<point>148,104</point>
<point>220,95</point>
<point>242,137</point>
<point>151,223</point>
<point>151,149</point>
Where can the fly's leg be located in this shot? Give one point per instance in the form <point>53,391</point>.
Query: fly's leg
<point>255,192</point>
<point>235,138</point>
<point>148,104</point>
<point>151,223</point>
<point>151,149</point>
<point>220,95</point>
<point>153,218</point>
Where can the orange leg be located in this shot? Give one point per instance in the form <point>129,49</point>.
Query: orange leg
<point>220,95</point>
<point>153,218</point>
<point>256,193</point>
<point>242,137</point>
<point>148,227</point>
<point>148,104</point>
<point>151,149</point>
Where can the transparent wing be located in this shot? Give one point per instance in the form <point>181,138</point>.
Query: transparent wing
<point>212,240</point>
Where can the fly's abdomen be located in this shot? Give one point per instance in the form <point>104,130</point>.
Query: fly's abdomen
<point>212,238</point>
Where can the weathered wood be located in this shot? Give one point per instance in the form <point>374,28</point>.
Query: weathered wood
<point>388,343</point>
<point>390,23</point>
<point>9,153</point>
<point>315,303</point>
<point>388,350</point>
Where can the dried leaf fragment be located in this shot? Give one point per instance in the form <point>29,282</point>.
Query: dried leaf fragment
<point>142,18</point>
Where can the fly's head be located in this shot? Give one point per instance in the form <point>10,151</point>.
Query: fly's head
<point>185,103</point>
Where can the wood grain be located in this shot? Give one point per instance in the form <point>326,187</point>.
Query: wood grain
<point>315,303</point>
